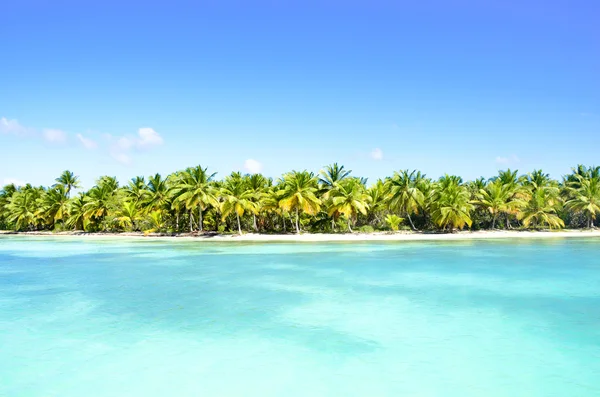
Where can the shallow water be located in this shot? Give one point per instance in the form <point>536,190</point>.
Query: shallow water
<point>80,317</point>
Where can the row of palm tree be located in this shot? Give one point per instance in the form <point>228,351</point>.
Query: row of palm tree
<point>193,200</point>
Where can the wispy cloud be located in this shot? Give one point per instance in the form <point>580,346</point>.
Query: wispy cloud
<point>252,166</point>
<point>513,159</point>
<point>86,142</point>
<point>377,154</point>
<point>54,136</point>
<point>122,147</point>
<point>11,126</point>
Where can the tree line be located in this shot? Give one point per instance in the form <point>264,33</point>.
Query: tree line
<point>193,200</point>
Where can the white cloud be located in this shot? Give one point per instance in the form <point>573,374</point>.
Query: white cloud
<point>252,166</point>
<point>16,182</point>
<point>11,126</point>
<point>513,159</point>
<point>122,147</point>
<point>54,135</point>
<point>87,142</point>
<point>148,137</point>
<point>377,154</point>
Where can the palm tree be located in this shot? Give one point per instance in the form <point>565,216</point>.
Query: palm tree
<point>378,194</point>
<point>299,194</point>
<point>258,185</point>
<point>404,194</point>
<point>541,209</point>
<point>584,194</point>
<point>100,198</point>
<point>348,198</point>
<point>76,209</point>
<point>193,187</point>
<point>496,198</point>
<point>128,214</point>
<point>136,190</point>
<point>53,205</point>
<point>157,193</point>
<point>238,198</point>
<point>22,207</point>
<point>68,180</point>
<point>451,207</point>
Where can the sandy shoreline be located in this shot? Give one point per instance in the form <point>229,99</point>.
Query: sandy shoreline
<point>358,237</point>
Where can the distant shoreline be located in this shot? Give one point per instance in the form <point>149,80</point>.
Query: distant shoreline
<point>357,237</point>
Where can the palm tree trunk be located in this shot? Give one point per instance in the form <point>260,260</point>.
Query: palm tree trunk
<point>255,225</point>
<point>238,222</point>
<point>590,222</point>
<point>411,222</point>
<point>177,221</point>
<point>199,219</point>
<point>494,221</point>
<point>283,220</point>
<point>191,222</point>
<point>349,227</point>
<point>297,221</point>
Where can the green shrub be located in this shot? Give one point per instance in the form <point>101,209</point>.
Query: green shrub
<point>393,221</point>
<point>366,229</point>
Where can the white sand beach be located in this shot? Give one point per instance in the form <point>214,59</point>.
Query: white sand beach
<point>317,237</point>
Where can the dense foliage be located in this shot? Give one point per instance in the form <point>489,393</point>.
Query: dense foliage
<point>332,201</point>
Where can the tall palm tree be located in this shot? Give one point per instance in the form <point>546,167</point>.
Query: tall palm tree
<point>69,181</point>
<point>136,190</point>
<point>451,207</point>
<point>542,208</point>
<point>128,214</point>
<point>238,198</point>
<point>584,193</point>
<point>157,193</point>
<point>193,187</point>
<point>496,198</point>
<point>53,205</point>
<point>349,198</point>
<point>100,198</point>
<point>378,194</point>
<point>77,213</point>
<point>299,194</point>
<point>23,206</point>
<point>403,193</point>
<point>258,185</point>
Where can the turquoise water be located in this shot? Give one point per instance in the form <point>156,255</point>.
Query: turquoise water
<point>80,317</point>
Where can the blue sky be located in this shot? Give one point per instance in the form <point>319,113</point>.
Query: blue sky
<point>463,87</point>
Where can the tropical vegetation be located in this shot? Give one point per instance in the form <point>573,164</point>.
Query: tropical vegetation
<point>334,200</point>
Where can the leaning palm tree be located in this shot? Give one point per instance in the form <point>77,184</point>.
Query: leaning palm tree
<point>542,209</point>
<point>584,194</point>
<point>299,194</point>
<point>451,204</point>
<point>403,193</point>
<point>237,197</point>
<point>68,180</point>
<point>193,187</point>
<point>349,198</point>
